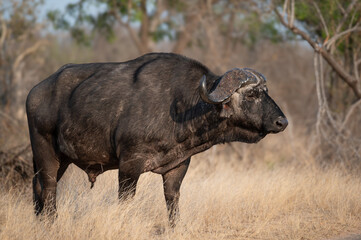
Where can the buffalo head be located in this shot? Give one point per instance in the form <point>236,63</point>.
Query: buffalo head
<point>242,98</point>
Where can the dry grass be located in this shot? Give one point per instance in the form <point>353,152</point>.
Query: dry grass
<point>282,202</point>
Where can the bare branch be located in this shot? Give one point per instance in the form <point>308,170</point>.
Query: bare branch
<point>292,18</point>
<point>191,20</point>
<point>345,16</point>
<point>210,31</point>
<point>319,96</point>
<point>344,75</point>
<point>130,8</point>
<point>144,27</point>
<point>133,35</point>
<point>353,17</point>
<point>322,20</point>
<point>358,62</point>
<point>355,63</point>
<point>340,7</point>
<point>228,36</point>
<point>156,19</point>
<point>337,36</point>
<point>349,114</point>
<point>325,102</point>
<point>131,32</point>
<point>27,52</point>
<point>3,33</point>
<point>284,8</point>
<point>209,6</point>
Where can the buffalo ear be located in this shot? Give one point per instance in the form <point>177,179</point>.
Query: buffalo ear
<point>226,111</point>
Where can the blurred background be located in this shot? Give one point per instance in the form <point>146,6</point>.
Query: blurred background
<point>309,51</point>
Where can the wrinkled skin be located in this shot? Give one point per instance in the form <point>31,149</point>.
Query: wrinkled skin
<point>137,116</point>
<point>251,109</point>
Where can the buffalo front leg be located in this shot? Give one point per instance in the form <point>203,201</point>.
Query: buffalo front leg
<point>172,181</point>
<point>127,185</point>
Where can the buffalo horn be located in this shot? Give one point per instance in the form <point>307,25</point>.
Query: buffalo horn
<point>228,84</point>
<point>204,94</point>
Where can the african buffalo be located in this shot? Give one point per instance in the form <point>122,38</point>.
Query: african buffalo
<point>148,114</point>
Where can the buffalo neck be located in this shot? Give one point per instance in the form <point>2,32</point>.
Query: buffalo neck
<point>201,129</point>
<point>201,125</point>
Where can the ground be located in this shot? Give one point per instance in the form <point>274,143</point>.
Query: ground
<point>218,201</point>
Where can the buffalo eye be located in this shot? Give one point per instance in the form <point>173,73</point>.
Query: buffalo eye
<point>251,95</point>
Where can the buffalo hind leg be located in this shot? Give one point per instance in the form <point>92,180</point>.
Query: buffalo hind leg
<point>46,166</point>
<point>127,185</point>
<point>37,186</point>
<point>44,189</point>
<point>172,181</point>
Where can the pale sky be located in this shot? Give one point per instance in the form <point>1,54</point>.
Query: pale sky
<point>54,5</point>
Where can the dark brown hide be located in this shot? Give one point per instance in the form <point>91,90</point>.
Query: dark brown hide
<point>137,116</point>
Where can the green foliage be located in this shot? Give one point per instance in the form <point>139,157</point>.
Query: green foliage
<point>308,19</point>
<point>260,28</point>
<point>104,14</point>
<point>20,15</point>
<point>58,21</point>
<point>306,13</point>
<point>162,32</point>
<point>253,23</point>
<point>102,17</point>
<point>81,22</point>
<point>177,5</point>
<point>80,35</point>
<point>332,24</point>
<point>19,32</point>
<point>269,31</point>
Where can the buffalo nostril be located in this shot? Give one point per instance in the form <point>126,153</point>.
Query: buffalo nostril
<point>281,123</point>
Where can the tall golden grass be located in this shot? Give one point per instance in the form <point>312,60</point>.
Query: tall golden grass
<point>219,200</point>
